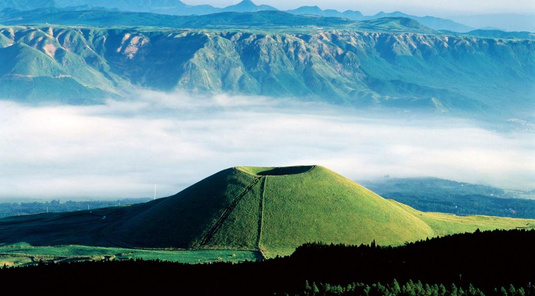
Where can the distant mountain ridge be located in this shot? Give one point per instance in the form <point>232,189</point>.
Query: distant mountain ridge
<point>177,7</point>
<point>247,6</point>
<point>438,195</point>
<point>389,62</point>
<point>460,24</point>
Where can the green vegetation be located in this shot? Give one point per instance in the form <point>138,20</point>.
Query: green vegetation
<point>409,288</point>
<point>480,263</point>
<point>272,210</point>
<point>24,254</point>
<point>324,206</point>
<point>186,219</point>
<point>445,224</point>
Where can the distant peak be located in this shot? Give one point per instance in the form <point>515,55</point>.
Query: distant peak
<point>247,2</point>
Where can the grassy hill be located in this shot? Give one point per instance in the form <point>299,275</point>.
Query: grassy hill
<point>273,210</point>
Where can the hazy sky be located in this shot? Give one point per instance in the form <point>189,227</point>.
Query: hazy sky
<point>418,7</point>
<point>122,149</point>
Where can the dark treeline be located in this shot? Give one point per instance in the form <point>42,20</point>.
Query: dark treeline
<point>485,261</point>
<point>409,288</point>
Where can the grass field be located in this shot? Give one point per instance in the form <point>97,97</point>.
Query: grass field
<point>444,224</point>
<point>24,254</point>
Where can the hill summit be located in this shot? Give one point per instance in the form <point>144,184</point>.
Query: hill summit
<point>274,209</point>
<point>268,209</point>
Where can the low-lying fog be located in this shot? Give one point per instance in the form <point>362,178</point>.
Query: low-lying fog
<point>122,149</point>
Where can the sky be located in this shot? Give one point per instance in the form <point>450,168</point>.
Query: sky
<point>172,140</point>
<point>416,7</point>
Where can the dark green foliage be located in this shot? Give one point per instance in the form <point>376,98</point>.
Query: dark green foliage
<point>491,263</point>
<point>409,288</point>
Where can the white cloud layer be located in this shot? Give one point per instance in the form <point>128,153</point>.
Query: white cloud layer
<point>123,148</point>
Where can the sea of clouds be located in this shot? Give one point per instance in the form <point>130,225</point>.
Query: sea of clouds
<point>123,148</point>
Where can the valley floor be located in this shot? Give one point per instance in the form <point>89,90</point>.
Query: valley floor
<point>26,255</point>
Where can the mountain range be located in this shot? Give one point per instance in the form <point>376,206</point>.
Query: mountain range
<point>176,7</point>
<point>83,57</point>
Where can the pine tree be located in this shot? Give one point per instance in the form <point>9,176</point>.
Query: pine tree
<point>512,290</point>
<point>503,292</point>
<point>315,289</point>
<point>461,291</point>
<point>521,292</point>
<point>308,288</point>
<point>442,290</point>
<point>454,290</point>
<point>395,288</point>
<point>471,290</point>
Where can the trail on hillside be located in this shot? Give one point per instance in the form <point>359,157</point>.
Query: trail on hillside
<point>227,213</point>
<point>261,215</point>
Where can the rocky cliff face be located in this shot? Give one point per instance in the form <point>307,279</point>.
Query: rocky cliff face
<point>409,70</point>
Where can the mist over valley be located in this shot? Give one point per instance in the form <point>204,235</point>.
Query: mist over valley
<point>122,148</point>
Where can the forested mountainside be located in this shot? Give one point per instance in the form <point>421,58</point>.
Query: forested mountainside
<point>81,65</point>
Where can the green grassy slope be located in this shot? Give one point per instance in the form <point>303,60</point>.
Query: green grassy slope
<point>273,210</point>
<point>52,64</point>
<point>182,220</point>
<point>328,207</point>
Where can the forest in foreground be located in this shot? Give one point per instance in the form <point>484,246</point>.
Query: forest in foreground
<point>481,263</point>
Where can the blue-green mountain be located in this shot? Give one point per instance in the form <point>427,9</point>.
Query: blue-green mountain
<point>67,56</point>
<point>176,7</point>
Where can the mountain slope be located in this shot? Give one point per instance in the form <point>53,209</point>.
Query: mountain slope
<point>367,66</point>
<point>429,21</point>
<point>273,210</point>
